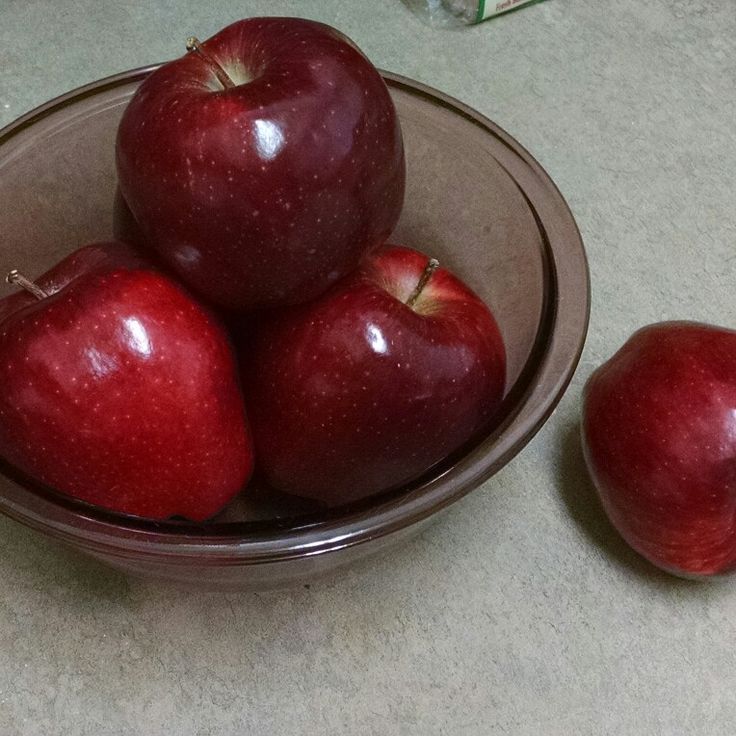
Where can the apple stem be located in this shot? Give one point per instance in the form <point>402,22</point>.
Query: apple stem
<point>193,44</point>
<point>17,278</point>
<point>432,265</point>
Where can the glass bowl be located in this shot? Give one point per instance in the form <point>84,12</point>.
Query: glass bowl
<point>475,199</point>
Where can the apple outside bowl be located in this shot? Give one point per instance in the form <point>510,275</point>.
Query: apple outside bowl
<point>475,199</point>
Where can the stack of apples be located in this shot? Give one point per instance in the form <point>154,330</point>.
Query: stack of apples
<point>250,312</point>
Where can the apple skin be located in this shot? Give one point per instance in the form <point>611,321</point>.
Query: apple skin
<point>88,259</point>
<point>659,435</point>
<point>357,392</point>
<point>267,192</point>
<point>120,390</point>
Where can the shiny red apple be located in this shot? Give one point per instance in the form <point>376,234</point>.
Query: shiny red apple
<point>659,433</point>
<point>373,383</point>
<point>264,163</point>
<point>120,390</point>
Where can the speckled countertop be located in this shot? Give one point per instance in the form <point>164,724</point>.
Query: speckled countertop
<point>521,612</point>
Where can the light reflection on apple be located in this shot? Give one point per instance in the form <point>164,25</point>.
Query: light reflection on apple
<point>376,339</point>
<point>102,364</point>
<point>138,338</point>
<point>188,255</point>
<point>269,139</point>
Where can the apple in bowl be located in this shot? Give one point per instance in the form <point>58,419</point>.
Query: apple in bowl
<point>121,390</point>
<point>372,384</point>
<point>264,163</point>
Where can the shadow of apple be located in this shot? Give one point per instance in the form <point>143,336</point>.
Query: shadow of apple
<point>582,502</point>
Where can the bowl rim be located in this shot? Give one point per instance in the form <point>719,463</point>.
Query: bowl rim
<point>559,344</point>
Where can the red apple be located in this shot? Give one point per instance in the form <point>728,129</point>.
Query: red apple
<point>120,390</point>
<point>373,383</point>
<point>659,433</point>
<point>264,163</point>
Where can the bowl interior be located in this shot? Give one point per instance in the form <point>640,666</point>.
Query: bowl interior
<point>57,184</point>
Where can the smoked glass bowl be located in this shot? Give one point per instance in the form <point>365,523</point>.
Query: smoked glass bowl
<point>476,200</point>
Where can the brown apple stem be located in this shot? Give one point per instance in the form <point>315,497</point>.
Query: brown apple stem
<point>194,45</point>
<point>17,278</point>
<point>432,265</point>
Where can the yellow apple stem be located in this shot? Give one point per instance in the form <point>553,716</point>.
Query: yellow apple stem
<point>194,45</point>
<point>432,265</point>
<point>17,278</point>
